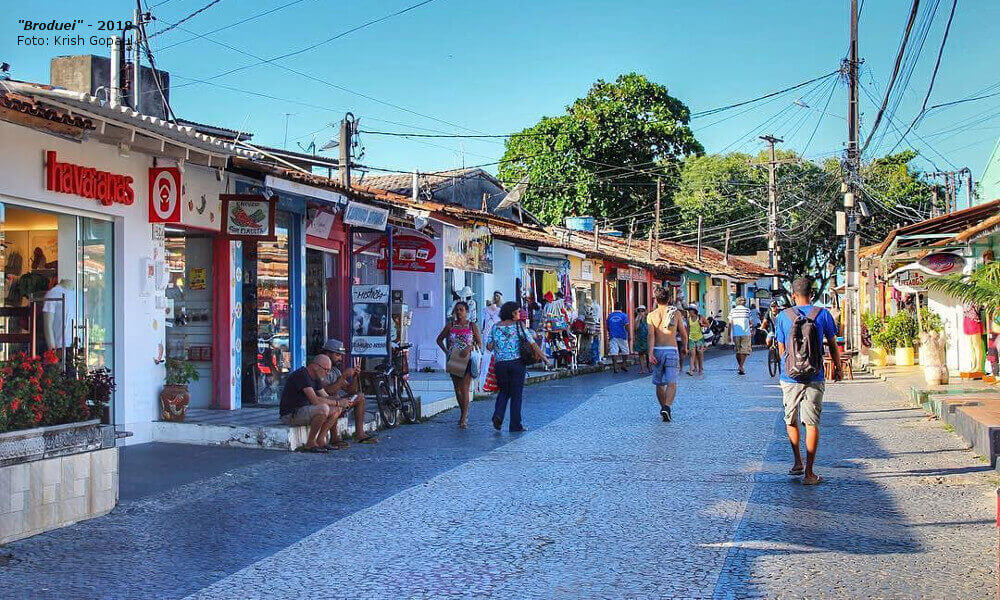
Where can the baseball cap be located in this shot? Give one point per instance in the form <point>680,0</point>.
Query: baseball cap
<point>334,345</point>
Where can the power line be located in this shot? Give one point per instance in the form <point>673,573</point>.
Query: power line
<point>895,73</point>
<point>187,18</point>
<point>252,17</point>
<point>712,111</point>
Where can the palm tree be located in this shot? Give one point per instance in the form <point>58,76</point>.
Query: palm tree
<point>981,287</point>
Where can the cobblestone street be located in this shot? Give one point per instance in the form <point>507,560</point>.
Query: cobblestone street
<point>599,499</point>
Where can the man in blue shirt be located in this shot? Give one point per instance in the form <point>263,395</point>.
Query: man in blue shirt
<point>617,338</point>
<point>804,399</point>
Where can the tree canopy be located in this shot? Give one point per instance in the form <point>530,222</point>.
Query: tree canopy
<point>603,156</point>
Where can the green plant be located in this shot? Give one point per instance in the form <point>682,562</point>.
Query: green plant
<point>898,331</point>
<point>874,323</point>
<point>982,286</point>
<point>180,372</point>
<point>931,321</point>
<point>35,391</point>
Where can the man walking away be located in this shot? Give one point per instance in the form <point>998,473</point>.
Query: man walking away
<point>800,332</point>
<point>618,339</point>
<point>665,323</point>
<point>740,329</point>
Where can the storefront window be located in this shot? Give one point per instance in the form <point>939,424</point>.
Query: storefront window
<point>324,307</point>
<point>56,285</point>
<point>266,287</point>
<point>189,307</point>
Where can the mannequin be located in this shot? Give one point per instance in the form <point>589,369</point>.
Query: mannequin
<point>972,330</point>
<point>468,296</point>
<point>57,334</point>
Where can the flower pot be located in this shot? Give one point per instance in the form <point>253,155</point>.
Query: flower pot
<point>877,356</point>
<point>904,357</point>
<point>174,400</point>
<point>936,374</point>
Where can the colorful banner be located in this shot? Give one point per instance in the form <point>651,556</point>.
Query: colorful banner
<point>370,323</point>
<point>410,253</point>
<point>469,248</point>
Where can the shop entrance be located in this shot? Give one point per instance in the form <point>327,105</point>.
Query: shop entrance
<point>56,285</point>
<point>325,311</point>
<point>189,307</point>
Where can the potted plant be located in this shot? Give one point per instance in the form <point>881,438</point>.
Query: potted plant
<point>876,326</point>
<point>901,328</point>
<point>100,387</point>
<point>174,398</point>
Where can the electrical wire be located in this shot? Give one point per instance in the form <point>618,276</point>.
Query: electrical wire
<point>252,17</point>
<point>185,19</point>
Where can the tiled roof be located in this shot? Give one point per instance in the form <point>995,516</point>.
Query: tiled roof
<point>959,226</point>
<point>30,106</point>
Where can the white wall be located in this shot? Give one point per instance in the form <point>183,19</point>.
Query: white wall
<point>426,322</point>
<point>139,326</point>
<point>951,313</point>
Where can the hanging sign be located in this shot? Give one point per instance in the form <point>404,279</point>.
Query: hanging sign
<point>942,263</point>
<point>469,248</point>
<point>587,270</point>
<point>164,195</point>
<point>630,274</point>
<point>364,215</point>
<point>247,217</point>
<point>410,253</point>
<point>67,178</point>
<point>370,322</point>
<point>320,225</point>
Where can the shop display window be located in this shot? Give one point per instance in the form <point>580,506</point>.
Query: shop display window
<point>189,334</point>
<point>57,285</point>
<point>324,306</point>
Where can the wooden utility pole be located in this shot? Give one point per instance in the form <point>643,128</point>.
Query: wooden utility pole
<point>631,232</point>
<point>346,133</point>
<point>597,235</point>
<point>659,187</point>
<point>772,207</point>
<point>699,238</point>
<point>968,183</point>
<point>727,245</point>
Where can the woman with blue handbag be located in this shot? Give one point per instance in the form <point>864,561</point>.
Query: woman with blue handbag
<point>463,342</point>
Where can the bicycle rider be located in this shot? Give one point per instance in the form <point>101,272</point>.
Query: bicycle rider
<point>767,324</point>
<point>341,384</point>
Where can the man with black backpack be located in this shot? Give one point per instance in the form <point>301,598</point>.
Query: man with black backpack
<point>801,332</point>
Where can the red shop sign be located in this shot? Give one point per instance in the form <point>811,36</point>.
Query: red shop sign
<point>164,195</point>
<point>411,253</point>
<point>67,178</point>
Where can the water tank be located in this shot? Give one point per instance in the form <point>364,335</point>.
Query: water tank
<point>580,223</point>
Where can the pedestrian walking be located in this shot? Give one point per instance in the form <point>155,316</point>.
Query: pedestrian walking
<point>460,341</point>
<point>491,316</point>
<point>618,338</point>
<point>740,330</point>
<point>696,340</point>
<point>664,324</point>
<point>506,341</point>
<point>801,332</point>
<point>641,345</point>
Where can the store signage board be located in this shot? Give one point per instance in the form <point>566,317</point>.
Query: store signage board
<point>164,195</point>
<point>469,248</point>
<point>942,263</point>
<point>587,270</point>
<point>364,215</point>
<point>370,321</point>
<point>248,217</point>
<point>410,253</point>
<point>321,225</point>
<point>630,274</point>
<point>87,182</point>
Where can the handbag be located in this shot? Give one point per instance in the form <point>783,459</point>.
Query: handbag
<point>457,364</point>
<point>475,363</point>
<point>524,348</point>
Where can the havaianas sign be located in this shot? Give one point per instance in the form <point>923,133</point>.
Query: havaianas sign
<point>87,182</point>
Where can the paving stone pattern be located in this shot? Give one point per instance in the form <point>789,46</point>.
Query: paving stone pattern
<point>598,500</point>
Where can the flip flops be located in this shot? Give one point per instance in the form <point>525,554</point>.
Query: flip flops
<point>368,439</point>
<point>818,480</point>
<point>311,450</point>
<point>337,445</point>
<point>796,470</point>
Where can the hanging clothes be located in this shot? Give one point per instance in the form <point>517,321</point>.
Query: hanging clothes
<point>550,283</point>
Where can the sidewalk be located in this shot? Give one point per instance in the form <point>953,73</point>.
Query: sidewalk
<point>970,407</point>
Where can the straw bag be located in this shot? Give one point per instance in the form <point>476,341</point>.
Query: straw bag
<point>457,364</point>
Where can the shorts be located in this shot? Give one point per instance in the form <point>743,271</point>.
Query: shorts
<point>667,365</point>
<point>802,400</point>
<point>302,415</point>
<point>618,346</point>
<point>693,344</point>
<point>742,344</point>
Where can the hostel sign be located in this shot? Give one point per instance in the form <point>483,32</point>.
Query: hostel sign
<point>370,321</point>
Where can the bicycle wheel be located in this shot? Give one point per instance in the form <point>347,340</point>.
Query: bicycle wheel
<point>388,406</point>
<point>407,404</point>
<point>773,362</point>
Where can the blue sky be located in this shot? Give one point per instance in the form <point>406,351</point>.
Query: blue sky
<point>496,67</point>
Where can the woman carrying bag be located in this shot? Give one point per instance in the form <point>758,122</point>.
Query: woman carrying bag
<point>463,342</point>
<point>513,350</point>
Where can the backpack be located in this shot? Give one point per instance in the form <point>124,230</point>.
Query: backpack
<point>803,348</point>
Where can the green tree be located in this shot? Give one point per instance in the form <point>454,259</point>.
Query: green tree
<point>602,157</point>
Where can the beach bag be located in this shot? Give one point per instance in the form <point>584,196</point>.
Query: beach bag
<point>457,363</point>
<point>491,377</point>
<point>803,349</point>
<point>475,363</point>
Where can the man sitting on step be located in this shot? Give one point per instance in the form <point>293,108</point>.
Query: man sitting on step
<point>341,385</point>
<point>303,402</point>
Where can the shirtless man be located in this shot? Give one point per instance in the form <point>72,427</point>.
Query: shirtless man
<point>665,324</point>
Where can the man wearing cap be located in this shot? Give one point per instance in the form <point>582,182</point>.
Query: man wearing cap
<point>340,386</point>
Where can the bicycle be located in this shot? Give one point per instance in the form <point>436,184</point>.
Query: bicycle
<point>393,394</point>
<point>773,359</point>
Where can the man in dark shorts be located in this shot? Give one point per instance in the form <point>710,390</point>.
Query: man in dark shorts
<point>303,402</point>
<point>341,385</point>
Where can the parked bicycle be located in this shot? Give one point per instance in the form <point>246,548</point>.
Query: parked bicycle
<point>389,384</point>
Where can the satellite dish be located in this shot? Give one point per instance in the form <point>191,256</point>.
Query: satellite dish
<point>514,196</point>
